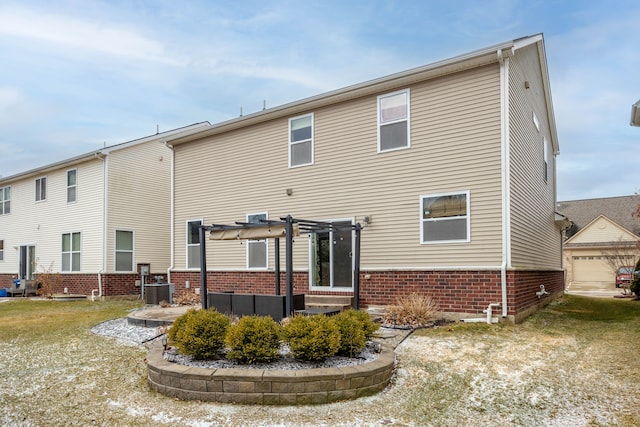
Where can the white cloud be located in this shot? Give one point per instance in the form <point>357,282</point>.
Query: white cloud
<point>80,36</point>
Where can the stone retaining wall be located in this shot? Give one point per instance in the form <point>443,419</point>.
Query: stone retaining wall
<point>269,387</point>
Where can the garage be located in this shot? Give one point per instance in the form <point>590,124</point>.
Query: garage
<point>592,269</point>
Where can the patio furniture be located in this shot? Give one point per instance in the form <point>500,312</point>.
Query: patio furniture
<point>16,289</point>
<point>23,288</point>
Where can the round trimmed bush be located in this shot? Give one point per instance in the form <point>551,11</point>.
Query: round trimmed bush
<point>254,339</point>
<point>312,338</point>
<point>199,333</point>
<point>356,327</point>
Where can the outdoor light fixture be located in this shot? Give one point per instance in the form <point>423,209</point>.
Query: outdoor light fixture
<point>366,220</point>
<point>635,114</point>
<point>164,342</point>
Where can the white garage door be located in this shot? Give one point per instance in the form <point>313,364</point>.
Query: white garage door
<point>592,269</point>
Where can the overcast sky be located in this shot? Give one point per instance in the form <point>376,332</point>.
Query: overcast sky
<point>76,75</point>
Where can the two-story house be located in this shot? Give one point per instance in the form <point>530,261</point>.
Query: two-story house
<point>450,168</point>
<point>95,218</point>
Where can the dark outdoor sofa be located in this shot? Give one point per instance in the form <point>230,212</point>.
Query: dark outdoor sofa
<point>250,304</point>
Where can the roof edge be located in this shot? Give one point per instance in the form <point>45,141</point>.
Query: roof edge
<point>181,131</point>
<point>454,64</point>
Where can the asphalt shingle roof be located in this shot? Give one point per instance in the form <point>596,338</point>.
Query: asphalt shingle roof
<point>618,209</point>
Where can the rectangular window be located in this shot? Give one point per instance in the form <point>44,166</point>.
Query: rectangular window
<point>393,121</point>
<point>72,185</point>
<point>301,141</point>
<point>71,252</point>
<point>1,250</point>
<point>256,249</point>
<point>444,218</point>
<point>124,250</point>
<point>193,243</point>
<point>5,200</point>
<point>41,189</point>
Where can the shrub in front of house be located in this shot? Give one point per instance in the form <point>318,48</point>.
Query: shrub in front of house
<point>199,333</point>
<point>312,338</point>
<point>254,339</point>
<point>356,327</point>
<point>413,310</point>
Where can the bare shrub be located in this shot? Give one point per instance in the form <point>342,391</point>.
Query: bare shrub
<point>187,298</point>
<point>48,282</point>
<point>414,310</point>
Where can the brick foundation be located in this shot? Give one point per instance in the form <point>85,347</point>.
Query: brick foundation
<point>82,284</point>
<point>460,292</point>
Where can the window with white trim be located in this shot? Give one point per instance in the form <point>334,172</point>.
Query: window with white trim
<point>256,249</point>
<point>301,141</point>
<point>193,243</point>
<point>444,218</point>
<point>393,121</point>
<point>1,250</point>
<point>70,252</point>
<point>72,185</point>
<point>41,189</point>
<point>5,200</point>
<point>124,250</point>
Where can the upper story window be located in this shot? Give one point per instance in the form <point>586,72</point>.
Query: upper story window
<point>1,250</point>
<point>256,249</point>
<point>124,250</point>
<point>301,141</point>
<point>393,121</point>
<point>193,243</point>
<point>5,200</point>
<point>444,218</point>
<point>41,189</point>
<point>71,252</point>
<point>72,185</point>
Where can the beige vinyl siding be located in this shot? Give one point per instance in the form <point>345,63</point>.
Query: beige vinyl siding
<point>602,230</point>
<point>535,239</point>
<point>139,189</point>
<point>455,146</point>
<point>43,223</point>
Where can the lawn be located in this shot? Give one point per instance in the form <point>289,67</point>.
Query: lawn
<point>574,363</point>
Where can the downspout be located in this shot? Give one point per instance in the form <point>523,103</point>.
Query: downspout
<point>172,204</point>
<point>102,157</point>
<point>506,181</point>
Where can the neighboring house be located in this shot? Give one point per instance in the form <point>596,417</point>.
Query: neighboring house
<point>450,167</point>
<point>94,218</point>
<point>603,233</point>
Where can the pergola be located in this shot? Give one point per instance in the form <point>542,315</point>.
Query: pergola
<point>287,227</point>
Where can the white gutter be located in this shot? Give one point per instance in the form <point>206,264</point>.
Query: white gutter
<point>172,204</point>
<point>506,181</point>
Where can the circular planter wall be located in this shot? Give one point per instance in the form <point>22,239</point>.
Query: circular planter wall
<point>269,387</point>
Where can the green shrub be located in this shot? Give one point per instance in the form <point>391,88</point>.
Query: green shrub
<point>369,326</point>
<point>356,327</point>
<point>352,338</point>
<point>253,339</point>
<point>199,333</point>
<point>312,338</point>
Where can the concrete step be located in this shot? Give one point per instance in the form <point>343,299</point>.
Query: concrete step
<point>337,302</point>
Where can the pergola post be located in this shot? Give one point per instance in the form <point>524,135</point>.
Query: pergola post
<point>277,259</point>
<point>203,268</point>
<point>356,268</point>
<point>289,264</point>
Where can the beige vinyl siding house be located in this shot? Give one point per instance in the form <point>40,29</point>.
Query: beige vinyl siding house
<point>435,158</point>
<point>82,202</point>
<point>603,236</point>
